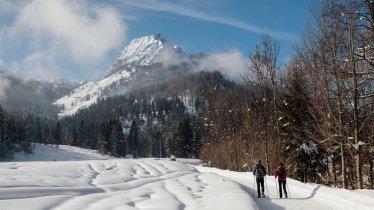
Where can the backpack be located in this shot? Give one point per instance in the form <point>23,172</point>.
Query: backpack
<point>260,170</point>
<point>282,172</point>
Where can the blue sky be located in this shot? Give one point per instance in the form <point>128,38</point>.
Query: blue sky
<point>46,39</point>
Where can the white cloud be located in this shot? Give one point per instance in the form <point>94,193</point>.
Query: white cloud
<point>9,6</point>
<point>40,64</point>
<point>170,58</point>
<point>66,29</point>
<point>4,84</point>
<point>162,6</point>
<point>232,64</point>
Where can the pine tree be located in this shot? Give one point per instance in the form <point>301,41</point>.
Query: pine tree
<point>300,151</point>
<point>83,140</point>
<point>92,135</point>
<point>5,144</point>
<point>159,147</point>
<point>72,136</point>
<point>197,138</point>
<point>38,131</point>
<point>29,134</point>
<point>104,142</point>
<point>133,139</point>
<point>118,140</point>
<point>181,146</point>
<point>57,134</point>
<point>101,139</point>
<point>47,135</point>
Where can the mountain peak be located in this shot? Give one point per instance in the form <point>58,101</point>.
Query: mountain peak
<point>141,51</point>
<point>160,38</point>
<point>149,39</point>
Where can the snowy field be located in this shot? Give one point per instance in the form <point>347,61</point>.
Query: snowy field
<point>82,179</point>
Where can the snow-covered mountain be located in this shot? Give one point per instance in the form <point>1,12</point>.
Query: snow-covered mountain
<point>144,61</point>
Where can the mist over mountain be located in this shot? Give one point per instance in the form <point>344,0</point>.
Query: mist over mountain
<point>20,93</point>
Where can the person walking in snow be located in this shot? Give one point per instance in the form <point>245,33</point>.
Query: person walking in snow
<point>282,174</point>
<point>260,172</point>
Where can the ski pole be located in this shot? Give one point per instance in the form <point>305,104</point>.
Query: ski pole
<point>253,189</point>
<point>254,184</point>
<point>267,191</point>
<point>276,186</point>
<point>288,189</point>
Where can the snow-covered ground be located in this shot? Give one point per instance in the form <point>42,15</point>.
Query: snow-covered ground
<point>82,179</point>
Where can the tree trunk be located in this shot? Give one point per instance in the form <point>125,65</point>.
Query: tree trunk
<point>355,98</point>
<point>334,171</point>
<point>340,121</point>
<point>267,155</point>
<point>359,170</point>
<point>351,178</point>
<point>371,176</point>
<point>305,174</point>
<point>342,155</point>
<point>266,145</point>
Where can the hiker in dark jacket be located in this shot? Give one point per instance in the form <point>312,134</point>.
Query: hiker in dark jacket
<point>282,174</point>
<point>260,172</point>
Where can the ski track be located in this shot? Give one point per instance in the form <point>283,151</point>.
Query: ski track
<point>301,196</point>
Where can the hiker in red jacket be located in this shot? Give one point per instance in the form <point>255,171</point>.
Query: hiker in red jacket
<point>282,174</point>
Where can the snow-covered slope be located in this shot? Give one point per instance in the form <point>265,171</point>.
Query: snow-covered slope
<point>94,182</point>
<point>144,61</point>
<point>87,94</point>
